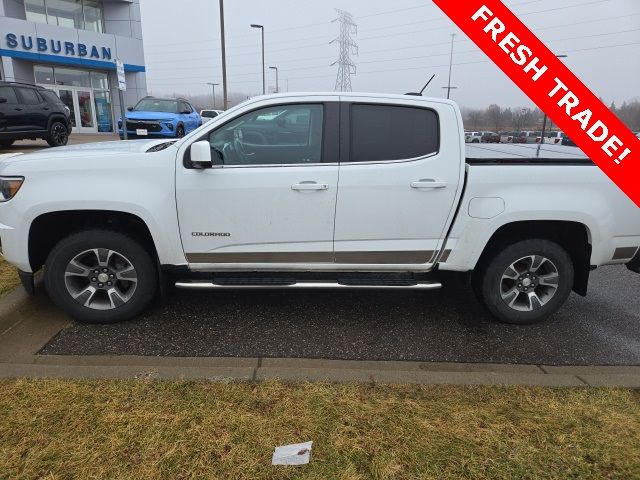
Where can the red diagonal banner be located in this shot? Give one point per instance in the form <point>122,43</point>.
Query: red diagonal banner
<point>552,86</point>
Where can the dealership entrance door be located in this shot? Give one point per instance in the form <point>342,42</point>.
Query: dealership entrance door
<point>86,94</point>
<point>80,101</point>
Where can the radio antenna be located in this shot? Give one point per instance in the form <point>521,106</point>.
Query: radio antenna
<point>423,88</point>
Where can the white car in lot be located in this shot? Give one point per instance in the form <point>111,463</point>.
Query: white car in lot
<point>553,138</point>
<point>303,191</point>
<point>473,137</point>
<point>208,115</point>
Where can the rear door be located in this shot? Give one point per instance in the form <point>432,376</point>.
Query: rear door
<point>401,173</point>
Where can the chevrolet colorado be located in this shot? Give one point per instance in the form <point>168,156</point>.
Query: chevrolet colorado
<point>314,191</point>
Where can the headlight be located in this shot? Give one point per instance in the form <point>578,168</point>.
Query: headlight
<point>9,186</point>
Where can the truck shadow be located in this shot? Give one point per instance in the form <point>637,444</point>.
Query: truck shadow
<point>440,326</point>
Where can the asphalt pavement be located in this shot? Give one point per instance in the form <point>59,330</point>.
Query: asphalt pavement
<point>439,326</point>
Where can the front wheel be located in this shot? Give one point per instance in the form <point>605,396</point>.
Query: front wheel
<point>100,276</point>
<point>180,131</point>
<point>526,282</point>
<point>58,134</point>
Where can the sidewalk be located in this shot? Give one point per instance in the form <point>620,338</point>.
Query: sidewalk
<point>28,323</point>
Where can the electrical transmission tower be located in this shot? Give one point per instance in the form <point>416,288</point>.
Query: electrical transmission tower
<point>348,47</point>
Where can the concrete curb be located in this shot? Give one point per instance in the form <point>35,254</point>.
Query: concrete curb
<point>340,371</point>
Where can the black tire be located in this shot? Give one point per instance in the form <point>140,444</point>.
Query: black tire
<point>72,246</point>
<point>180,131</point>
<point>6,143</point>
<point>58,134</point>
<point>491,285</point>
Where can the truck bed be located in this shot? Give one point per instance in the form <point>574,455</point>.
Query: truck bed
<point>525,154</point>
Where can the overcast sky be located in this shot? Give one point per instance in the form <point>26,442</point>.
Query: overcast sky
<point>401,44</point>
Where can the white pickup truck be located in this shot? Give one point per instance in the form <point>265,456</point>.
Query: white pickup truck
<point>347,191</point>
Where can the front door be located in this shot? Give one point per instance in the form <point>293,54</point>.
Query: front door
<point>11,110</point>
<point>399,180</point>
<point>270,201</point>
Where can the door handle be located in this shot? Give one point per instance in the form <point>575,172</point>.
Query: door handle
<point>428,183</point>
<point>18,109</point>
<point>309,186</point>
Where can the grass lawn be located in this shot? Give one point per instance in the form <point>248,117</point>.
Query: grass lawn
<point>181,430</point>
<point>8,278</point>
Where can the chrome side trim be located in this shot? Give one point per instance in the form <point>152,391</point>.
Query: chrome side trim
<point>306,285</point>
<point>308,267</point>
<point>385,257</point>
<point>383,162</point>
<point>261,257</point>
<point>379,257</point>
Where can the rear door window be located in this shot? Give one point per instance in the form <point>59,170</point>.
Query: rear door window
<point>29,96</point>
<point>384,132</point>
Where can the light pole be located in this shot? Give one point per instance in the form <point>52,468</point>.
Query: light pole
<point>224,58</point>
<point>277,83</point>
<point>449,87</point>
<point>264,84</point>
<point>214,85</point>
<point>544,120</point>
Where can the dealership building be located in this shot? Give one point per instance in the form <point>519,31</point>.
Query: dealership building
<point>71,46</point>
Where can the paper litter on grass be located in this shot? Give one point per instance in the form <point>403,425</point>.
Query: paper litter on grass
<point>296,454</point>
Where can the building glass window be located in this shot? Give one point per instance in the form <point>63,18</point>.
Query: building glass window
<point>44,74</point>
<point>36,11</point>
<point>92,15</point>
<point>65,13</point>
<point>72,77</point>
<point>103,111</point>
<point>80,14</point>
<point>99,80</point>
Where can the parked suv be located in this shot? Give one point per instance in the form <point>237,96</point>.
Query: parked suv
<point>161,117</point>
<point>28,112</point>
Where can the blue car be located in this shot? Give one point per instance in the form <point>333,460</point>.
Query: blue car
<point>160,117</point>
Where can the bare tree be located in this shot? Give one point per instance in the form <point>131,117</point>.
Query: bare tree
<point>494,117</point>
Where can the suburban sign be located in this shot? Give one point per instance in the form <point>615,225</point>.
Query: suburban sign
<point>56,47</point>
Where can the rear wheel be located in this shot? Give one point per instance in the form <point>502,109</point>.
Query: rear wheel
<point>100,276</point>
<point>58,134</point>
<point>526,282</point>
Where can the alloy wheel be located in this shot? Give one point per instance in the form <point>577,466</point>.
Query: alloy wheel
<point>101,279</point>
<point>529,283</point>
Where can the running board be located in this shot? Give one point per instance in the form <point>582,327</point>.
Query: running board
<point>199,285</point>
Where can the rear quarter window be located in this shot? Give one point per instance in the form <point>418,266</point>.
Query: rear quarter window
<point>384,132</point>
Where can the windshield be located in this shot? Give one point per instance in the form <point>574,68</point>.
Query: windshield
<point>155,105</point>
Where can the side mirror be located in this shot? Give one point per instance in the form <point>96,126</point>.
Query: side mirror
<point>3,100</point>
<point>129,109</point>
<point>201,155</point>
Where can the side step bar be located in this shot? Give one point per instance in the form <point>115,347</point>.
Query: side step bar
<point>200,285</point>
